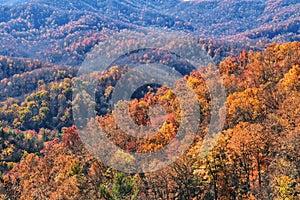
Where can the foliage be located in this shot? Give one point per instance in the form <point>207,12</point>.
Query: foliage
<point>256,155</point>
<point>123,188</point>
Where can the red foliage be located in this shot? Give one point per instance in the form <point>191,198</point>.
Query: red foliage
<point>70,136</point>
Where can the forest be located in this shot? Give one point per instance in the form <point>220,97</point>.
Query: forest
<point>236,137</point>
<point>256,156</point>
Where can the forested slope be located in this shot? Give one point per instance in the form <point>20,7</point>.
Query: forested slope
<point>256,156</point>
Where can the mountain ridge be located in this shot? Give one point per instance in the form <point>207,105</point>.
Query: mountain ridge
<point>62,32</point>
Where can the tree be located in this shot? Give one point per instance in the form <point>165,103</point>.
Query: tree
<point>123,188</point>
<point>246,106</point>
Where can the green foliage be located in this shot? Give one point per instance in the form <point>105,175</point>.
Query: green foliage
<point>123,188</point>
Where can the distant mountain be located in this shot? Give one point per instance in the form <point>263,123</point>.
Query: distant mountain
<point>12,2</point>
<point>63,31</point>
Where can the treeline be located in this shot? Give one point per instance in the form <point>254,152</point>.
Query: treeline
<point>16,144</point>
<point>20,77</point>
<point>12,66</point>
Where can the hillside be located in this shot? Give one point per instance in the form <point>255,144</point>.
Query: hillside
<point>189,99</point>
<point>256,155</point>
<point>64,31</point>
